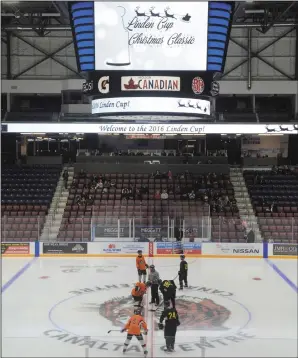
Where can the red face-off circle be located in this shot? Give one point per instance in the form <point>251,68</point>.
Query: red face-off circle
<point>198,85</point>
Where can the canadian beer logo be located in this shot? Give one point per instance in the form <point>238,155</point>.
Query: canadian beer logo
<point>200,309</point>
<point>150,83</point>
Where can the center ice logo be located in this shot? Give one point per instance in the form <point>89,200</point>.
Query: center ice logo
<point>195,313</point>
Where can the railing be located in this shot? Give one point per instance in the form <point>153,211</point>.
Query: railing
<point>151,228</point>
<point>147,228</point>
<point>57,343</point>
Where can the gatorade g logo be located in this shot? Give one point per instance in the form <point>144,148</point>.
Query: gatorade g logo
<point>104,84</point>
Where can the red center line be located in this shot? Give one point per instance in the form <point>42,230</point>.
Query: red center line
<point>152,328</point>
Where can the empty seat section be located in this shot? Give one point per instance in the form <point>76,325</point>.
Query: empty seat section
<point>26,195</point>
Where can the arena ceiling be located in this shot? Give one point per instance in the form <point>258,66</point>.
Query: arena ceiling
<point>47,14</point>
<point>45,17</point>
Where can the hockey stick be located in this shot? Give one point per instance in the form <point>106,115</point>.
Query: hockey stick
<point>152,310</point>
<point>113,330</point>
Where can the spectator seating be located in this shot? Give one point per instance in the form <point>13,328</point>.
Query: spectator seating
<point>108,207</point>
<point>26,194</point>
<point>275,200</point>
<point>225,229</point>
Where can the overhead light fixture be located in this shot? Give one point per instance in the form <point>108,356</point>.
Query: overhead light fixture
<point>254,11</point>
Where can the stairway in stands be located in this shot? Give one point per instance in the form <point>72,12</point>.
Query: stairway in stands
<point>53,220</point>
<point>246,210</point>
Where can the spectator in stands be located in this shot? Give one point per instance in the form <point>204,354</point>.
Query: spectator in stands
<point>65,178</point>
<point>113,183</point>
<point>170,175</point>
<point>82,174</point>
<point>157,174</point>
<point>157,195</point>
<point>192,195</point>
<point>99,185</point>
<point>90,200</point>
<point>107,184</point>
<point>274,170</point>
<point>177,233</point>
<point>273,207</point>
<point>164,195</point>
<point>124,193</point>
<point>144,189</point>
<point>78,199</point>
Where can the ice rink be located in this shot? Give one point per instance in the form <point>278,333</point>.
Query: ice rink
<point>64,307</point>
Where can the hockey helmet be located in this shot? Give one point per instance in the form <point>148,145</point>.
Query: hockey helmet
<point>140,252</point>
<point>137,310</point>
<point>182,257</point>
<point>148,284</point>
<point>152,267</point>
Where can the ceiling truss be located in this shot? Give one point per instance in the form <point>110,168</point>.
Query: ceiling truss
<point>43,17</point>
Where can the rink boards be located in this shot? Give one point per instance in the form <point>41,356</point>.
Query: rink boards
<point>150,249</point>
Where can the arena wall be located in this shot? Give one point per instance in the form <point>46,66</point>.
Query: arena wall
<point>150,249</point>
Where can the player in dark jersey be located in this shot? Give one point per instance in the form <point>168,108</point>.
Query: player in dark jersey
<point>183,272</point>
<point>171,323</point>
<point>168,289</point>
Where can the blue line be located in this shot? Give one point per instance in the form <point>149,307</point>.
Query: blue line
<point>17,275</point>
<point>282,275</point>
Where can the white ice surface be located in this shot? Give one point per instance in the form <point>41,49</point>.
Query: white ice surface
<point>37,324</point>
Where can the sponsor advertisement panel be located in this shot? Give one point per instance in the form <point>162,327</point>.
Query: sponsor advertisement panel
<point>111,231</point>
<point>118,248</point>
<point>70,248</point>
<point>167,248</point>
<point>231,249</point>
<point>15,248</point>
<point>283,250</point>
<point>149,83</point>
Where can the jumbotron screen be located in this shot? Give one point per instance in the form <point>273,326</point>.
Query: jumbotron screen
<point>151,36</point>
<point>154,36</point>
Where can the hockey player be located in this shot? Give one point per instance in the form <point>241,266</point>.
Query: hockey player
<point>134,327</point>
<point>153,281</point>
<point>138,292</point>
<point>141,266</point>
<point>183,272</point>
<point>168,289</point>
<point>171,323</point>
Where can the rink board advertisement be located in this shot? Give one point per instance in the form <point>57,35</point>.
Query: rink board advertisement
<point>167,248</point>
<point>65,248</point>
<point>118,248</point>
<point>231,249</point>
<point>15,248</point>
<point>284,250</point>
<point>110,232</point>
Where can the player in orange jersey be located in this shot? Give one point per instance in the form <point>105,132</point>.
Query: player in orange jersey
<point>138,292</point>
<point>141,266</point>
<point>134,327</point>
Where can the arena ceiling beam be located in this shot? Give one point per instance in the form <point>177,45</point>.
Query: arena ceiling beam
<point>257,54</point>
<point>47,55</point>
<point>281,15</point>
